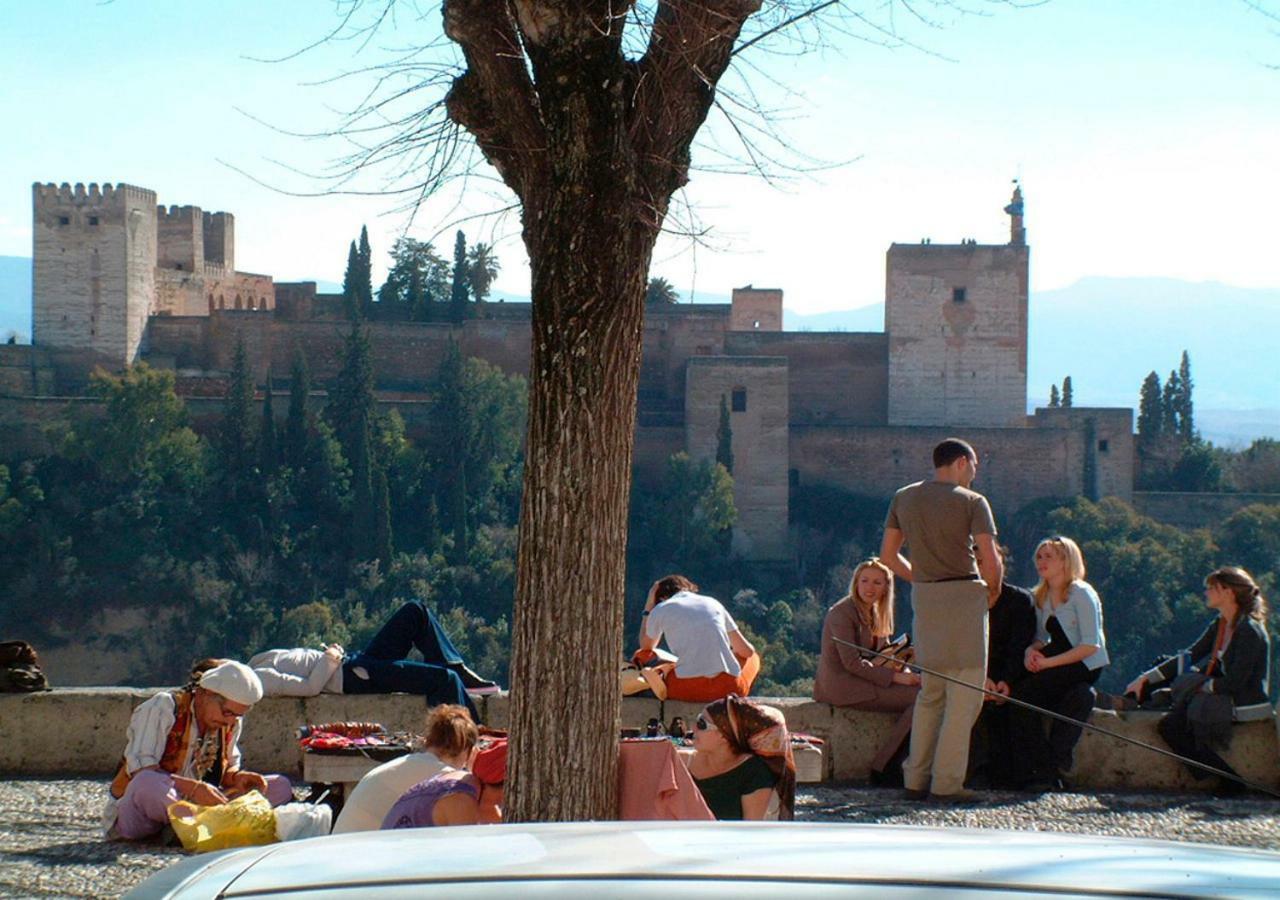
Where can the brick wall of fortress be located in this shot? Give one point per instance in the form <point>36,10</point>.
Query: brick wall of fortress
<point>957,357</point>
<point>406,353</point>
<point>184,293</point>
<point>1017,464</point>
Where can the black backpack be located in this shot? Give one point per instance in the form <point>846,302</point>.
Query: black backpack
<point>20,669</point>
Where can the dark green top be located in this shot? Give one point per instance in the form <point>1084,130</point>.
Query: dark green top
<point>724,792</point>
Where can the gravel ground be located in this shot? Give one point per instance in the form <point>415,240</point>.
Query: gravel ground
<point>50,844</point>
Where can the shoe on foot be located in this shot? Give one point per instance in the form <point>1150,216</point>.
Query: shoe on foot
<point>914,795</point>
<point>474,683</point>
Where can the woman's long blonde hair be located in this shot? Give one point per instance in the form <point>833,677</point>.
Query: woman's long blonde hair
<point>1069,550</point>
<point>882,612</point>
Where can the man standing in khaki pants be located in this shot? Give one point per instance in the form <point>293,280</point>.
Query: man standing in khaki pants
<point>954,569</point>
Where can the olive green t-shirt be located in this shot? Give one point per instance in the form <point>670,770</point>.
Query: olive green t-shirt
<point>939,521</point>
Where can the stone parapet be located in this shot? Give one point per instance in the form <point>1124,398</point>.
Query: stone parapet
<point>82,731</point>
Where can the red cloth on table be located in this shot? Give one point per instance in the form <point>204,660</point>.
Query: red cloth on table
<point>654,784</point>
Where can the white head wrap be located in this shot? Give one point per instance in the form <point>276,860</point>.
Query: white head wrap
<point>235,681</point>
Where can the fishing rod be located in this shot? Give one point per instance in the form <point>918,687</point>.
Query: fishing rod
<point>1060,717</point>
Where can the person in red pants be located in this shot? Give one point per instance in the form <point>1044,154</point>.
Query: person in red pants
<point>713,659</point>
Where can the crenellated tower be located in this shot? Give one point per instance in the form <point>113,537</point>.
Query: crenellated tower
<point>956,320</point>
<point>94,268</point>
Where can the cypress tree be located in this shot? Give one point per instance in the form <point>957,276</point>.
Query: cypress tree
<point>451,420</point>
<point>267,434</point>
<point>724,437</point>
<point>351,400</point>
<point>364,273</point>
<point>1169,405</point>
<point>1150,411</point>
<point>458,292</point>
<point>1186,418</point>
<point>363,513</point>
<point>1054,400</point>
<point>1066,392</point>
<point>350,281</point>
<point>382,542</point>
<point>236,438</point>
<point>295,440</point>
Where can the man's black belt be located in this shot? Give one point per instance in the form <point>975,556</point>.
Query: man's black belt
<point>956,578</point>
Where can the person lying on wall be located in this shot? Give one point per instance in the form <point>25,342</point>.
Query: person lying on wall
<point>381,667</point>
<point>184,745</point>
<point>713,659</point>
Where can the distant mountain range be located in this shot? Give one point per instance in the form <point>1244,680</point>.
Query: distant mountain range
<point>1106,333</point>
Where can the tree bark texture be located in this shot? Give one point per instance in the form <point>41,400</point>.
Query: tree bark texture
<point>593,144</point>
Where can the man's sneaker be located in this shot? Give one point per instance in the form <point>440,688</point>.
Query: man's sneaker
<point>473,683</point>
<point>961,796</point>
<point>913,795</point>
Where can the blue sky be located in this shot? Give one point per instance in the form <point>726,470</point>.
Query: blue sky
<point>1145,134</point>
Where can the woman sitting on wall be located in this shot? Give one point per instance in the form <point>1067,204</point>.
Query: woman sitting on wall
<point>1231,657</point>
<point>381,668</point>
<point>849,678</point>
<point>742,760</point>
<point>713,659</point>
<point>456,796</point>
<point>1063,663</point>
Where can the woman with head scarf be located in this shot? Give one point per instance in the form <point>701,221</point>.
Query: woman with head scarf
<point>742,760</point>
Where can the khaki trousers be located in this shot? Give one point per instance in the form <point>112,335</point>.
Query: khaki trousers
<point>951,637</point>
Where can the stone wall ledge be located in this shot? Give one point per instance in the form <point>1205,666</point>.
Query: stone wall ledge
<point>82,731</point>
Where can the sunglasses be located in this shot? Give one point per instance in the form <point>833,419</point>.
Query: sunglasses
<point>701,723</point>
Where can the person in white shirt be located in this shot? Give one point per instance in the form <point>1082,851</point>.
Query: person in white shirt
<point>381,668</point>
<point>713,659</point>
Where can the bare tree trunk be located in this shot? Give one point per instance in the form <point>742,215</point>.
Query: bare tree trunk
<point>593,144</point>
<point>573,529</point>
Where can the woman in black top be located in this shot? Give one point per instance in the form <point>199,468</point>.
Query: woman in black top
<point>1233,654</point>
<point>742,757</point>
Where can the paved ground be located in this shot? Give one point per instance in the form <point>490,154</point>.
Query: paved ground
<point>50,844</point>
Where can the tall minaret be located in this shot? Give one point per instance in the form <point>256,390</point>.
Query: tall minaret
<point>1017,233</point>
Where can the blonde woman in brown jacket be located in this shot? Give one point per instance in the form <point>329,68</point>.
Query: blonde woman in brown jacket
<point>845,677</point>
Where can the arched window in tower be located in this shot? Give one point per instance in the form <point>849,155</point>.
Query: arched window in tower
<point>239,302</point>
<point>212,304</point>
<point>739,399</point>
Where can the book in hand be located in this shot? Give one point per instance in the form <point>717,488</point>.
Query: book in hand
<point>897,653</point>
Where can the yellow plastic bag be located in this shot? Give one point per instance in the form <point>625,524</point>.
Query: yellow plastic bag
<point>244,822</point>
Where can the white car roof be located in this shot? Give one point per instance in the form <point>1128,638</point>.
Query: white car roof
<point>711,858</point>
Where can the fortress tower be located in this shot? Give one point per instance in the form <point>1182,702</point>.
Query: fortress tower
<point>94,268</point>
<point>956,318</point>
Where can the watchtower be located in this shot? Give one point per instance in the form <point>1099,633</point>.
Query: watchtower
<point>94,268</point>
<point>956,320</point>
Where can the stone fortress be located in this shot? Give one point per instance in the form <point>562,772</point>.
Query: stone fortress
<point>118,279</point>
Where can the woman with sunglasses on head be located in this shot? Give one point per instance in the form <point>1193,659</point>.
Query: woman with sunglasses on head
<point>1062,665</point>
<point>742,760</point>
<point>1232,658</point>
<point>850,678</point>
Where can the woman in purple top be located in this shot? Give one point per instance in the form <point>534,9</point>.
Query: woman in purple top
<point>455,796</point>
